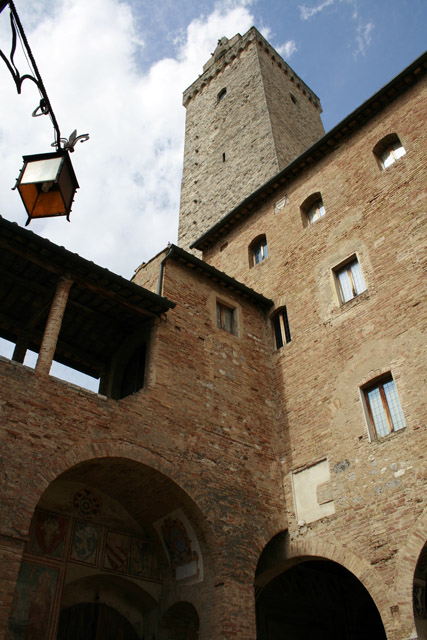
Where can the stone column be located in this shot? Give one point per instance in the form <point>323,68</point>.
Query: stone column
<point>232,612</point>
<point>20,350</point>
<point>53,326</point>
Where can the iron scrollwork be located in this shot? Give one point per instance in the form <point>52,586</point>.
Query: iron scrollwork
<point>44,107</point>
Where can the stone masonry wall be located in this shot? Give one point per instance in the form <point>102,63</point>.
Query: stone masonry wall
<point>234,145</point>
<point>377,487</point>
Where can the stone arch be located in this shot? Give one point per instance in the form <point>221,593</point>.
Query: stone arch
<point>285,553</point>
<point>133,528</point>
<point>55,465</point>
<point>406,561</point>
<point>116,596</point>
<point>182,621</point>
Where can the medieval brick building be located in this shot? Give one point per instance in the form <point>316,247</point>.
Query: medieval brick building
<point>253,464</point>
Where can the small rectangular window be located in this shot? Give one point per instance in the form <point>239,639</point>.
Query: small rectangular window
<point>383,407</point>
<point>282,333</point>
<point>225,317</point>
<point>350,280</point>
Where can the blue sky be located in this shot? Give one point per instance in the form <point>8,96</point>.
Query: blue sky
<point>117,69</point>
<point>345,50</point>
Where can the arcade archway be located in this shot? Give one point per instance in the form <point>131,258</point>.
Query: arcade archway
<point>108,538</point>
<point>312,598</point>
<point>419,595</point>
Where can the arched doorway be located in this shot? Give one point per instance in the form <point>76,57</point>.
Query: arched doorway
<point>317,600</point>
<point>420,595</point>
<point>101,554</point>
<point>182,622</point>
<point>94,621</point>
<point>311,597</point>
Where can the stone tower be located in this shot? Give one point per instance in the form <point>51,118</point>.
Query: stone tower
<point>248,116</point>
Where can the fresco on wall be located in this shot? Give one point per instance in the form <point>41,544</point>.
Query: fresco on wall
<point>116,552</point>
<point>33,601</point>
<point>86,503</point>
<point>184,559</point>
<point>49,534</point>
<point>84,545</point>
<point>143,560</point>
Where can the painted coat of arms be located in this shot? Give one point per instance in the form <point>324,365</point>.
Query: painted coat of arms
<point>85,543</point>
<point>116,552</point>
<point>184,561</point>
<point>49,534</point>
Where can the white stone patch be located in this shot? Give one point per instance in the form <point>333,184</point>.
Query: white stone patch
<point>312,495</point>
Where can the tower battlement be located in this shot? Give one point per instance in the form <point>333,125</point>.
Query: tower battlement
<point>248,116</point>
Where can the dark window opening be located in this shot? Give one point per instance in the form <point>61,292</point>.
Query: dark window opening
<point>223,157</point>
<point>282,332</point>
<point>133,376</point>
<point>221,94</point>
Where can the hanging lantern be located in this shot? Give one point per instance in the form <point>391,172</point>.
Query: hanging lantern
<point>47,185</point>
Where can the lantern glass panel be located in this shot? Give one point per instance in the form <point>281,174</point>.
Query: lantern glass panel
<point>42,170</point>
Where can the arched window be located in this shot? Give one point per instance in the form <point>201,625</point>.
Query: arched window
<point>388,150</point>
<point>221,94</point>
<point>258,250</point>
<point>312,209</point>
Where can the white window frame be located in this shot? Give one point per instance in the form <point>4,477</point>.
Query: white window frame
<point>316,211</point>
<point>349,280</point>
<point>392,153</point>
<point>389,150</point>
<point>382,406</point>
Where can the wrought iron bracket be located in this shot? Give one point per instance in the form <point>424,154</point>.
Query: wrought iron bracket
<point>70,143</point>
<point>44,107</point>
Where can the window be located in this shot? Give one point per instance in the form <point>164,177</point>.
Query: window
<point>383,407</point>
<point>221,94</point>
<point>388,150</point>
<point>282,333</point>
<point>133,375</point>
<point>312,209</point>
<point>258,250</point>
<point>316,211</point>
<point>226,318</point>
<point>350,280</point>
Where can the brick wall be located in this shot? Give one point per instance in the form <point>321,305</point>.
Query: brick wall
<point>377,486</point>
<point>214,457</point>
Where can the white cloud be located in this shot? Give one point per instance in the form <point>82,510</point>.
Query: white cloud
<point>363,31</point>
<point>129,171</point>
<point>363,37</point>
<point>287,50</point>
<point>308,12</point>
